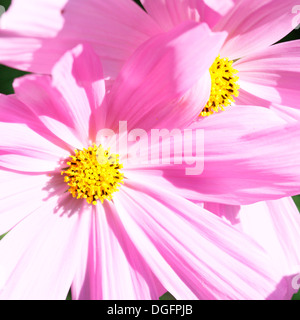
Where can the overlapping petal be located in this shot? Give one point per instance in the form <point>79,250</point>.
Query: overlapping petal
<point>78,77</point>
<point>149,87</point>
<point>59,108</point>
<point>48,30</point>
<point>251,25</point>
<point>33,54</point>
<point>242,158</point>
<point>275,226</point>
<point>170,13</point>
<point>200,264</point>
<point>255,25</point>
<point>26,143</point>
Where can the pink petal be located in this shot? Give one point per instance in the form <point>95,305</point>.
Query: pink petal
<point>78,77</point>
<point>39,256</point>
<point>161,72</point>
<point>13,110</point>
<point>213,11</point>
<point>20,195</point>
<point>249,155</point>
<point>80,86</point>
<point>227,212</point>
<point>28,144</point>
<point>275,225</point>
<point>39,95</point>
<point>254,25</point>
<point>69,135</point>
<point>272,74</point>
<point>170,13</point>
<point>255,160</point>
<point>287,113</point>
<point>16,51</point>
<point>28,35</point>
<point>290,114</point>
<point>111,267</point>
<point>193,253</point>
<point>38,18</point>
<point>66,102</point>
<point>25,150</point>
<point>246,98</point>
<point>49,108</point>
<point>114,29</point>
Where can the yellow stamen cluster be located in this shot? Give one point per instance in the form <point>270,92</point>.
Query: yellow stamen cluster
<point>93,174</point>
<point>223,86</point>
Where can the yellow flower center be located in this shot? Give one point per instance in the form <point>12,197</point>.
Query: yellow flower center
<point>93,174</point>
<point>223,86</point>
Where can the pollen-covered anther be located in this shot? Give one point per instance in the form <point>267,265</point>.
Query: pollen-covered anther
<point>93,174</point>
<point>224,86</point>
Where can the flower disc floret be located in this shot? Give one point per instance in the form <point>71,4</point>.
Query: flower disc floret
<point>93,174</point>
<point>223,86</point>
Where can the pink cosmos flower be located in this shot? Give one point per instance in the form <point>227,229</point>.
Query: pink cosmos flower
<point>268,74</point>
<point>148,237</point>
